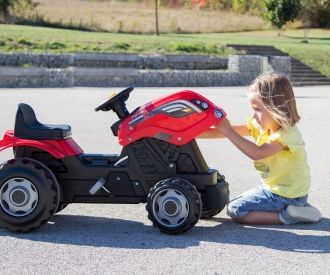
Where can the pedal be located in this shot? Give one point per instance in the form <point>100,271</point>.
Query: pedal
<point>105,189</point>
<point>97,186</point>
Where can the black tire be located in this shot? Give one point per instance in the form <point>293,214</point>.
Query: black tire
<point>208,213</point>
<point>61,206</point>
<point>29,195</point>
<point>174,206</point>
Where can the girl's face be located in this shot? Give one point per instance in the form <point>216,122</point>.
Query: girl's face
<point>261,115</point>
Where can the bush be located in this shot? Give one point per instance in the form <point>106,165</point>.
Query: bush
<point>24,42</point>
<point>57,45</point>
<point>251,6</point>
<point>190,48</point>
<point>316,12</point>
<point>121,46</point>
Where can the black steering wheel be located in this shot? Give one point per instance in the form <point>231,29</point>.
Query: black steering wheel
<point>116,103</point>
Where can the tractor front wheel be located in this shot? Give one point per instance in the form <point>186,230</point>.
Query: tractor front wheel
<point>174,206</point>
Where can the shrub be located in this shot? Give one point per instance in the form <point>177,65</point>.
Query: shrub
<point>57,45</point>
<point>24,42</point>
<point>190,48</point>
<point>121,46</point>
<point>251,6</point>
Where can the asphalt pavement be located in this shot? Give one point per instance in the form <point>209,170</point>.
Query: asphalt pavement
<point>119,239</point>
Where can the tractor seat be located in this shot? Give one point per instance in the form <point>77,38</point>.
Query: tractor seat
<point>28,127</point>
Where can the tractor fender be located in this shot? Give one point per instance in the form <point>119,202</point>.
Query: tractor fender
<point>58,148</point>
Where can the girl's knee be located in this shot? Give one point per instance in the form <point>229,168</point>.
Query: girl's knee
<point>233,211</point>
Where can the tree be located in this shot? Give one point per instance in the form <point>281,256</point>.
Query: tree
<point>4,5</point>
<point>19,5</point>
<point>316,13</point>
<point>279,12</point>
<point>304,15</point>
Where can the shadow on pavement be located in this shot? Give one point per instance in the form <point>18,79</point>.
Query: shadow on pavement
<point>118,233</point>
<point>311,238</point>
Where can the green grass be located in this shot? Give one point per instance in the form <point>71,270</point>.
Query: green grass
<point>316,53</point>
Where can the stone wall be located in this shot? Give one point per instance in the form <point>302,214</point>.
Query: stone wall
<point>111,70</point>
<point>280,64</point>
<point>47,60</point>
<point>176,62</point>
<point>15,77</point>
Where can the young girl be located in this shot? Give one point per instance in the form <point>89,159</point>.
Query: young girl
<point>279,156</point>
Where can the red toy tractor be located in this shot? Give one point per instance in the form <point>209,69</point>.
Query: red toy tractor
<point>160,164</point>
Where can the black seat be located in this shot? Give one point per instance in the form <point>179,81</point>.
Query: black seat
<point>28,127</point>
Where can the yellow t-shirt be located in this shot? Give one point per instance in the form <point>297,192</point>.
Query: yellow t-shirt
<point>287,172</point>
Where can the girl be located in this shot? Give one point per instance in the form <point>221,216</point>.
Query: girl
<point>279,156</point>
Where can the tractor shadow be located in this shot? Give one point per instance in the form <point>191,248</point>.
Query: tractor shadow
<point>118,233</point>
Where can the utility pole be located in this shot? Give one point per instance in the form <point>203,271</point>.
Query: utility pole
<point>157,32</point>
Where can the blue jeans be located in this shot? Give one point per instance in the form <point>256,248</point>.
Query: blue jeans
<point>259,199</point>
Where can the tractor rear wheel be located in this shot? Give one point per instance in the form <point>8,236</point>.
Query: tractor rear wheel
<point>29,194</point>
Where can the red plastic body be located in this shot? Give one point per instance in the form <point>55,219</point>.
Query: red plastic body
<point>176,118</point>
<point>58,148</point>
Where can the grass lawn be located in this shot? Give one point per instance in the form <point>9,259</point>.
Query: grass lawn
<point>316,53</point>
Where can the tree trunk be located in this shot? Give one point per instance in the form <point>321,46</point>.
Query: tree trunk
<point>157,32</point>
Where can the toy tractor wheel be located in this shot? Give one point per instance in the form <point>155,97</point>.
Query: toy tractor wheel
<point>29,194</point>
<point>208,213</point>
<point>174,206</point>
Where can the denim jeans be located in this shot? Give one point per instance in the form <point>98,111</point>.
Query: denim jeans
<point>259,199</point>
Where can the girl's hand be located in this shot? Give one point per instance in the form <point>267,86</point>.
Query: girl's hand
<point>224,126</point>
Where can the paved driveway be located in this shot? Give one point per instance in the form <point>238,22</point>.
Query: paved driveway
<point>119,239</point>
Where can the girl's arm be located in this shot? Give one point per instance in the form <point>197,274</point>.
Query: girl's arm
<point>214,133</point>
<point>247,147</point>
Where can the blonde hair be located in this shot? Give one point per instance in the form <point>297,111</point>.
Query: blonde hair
<point>274,91</point>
